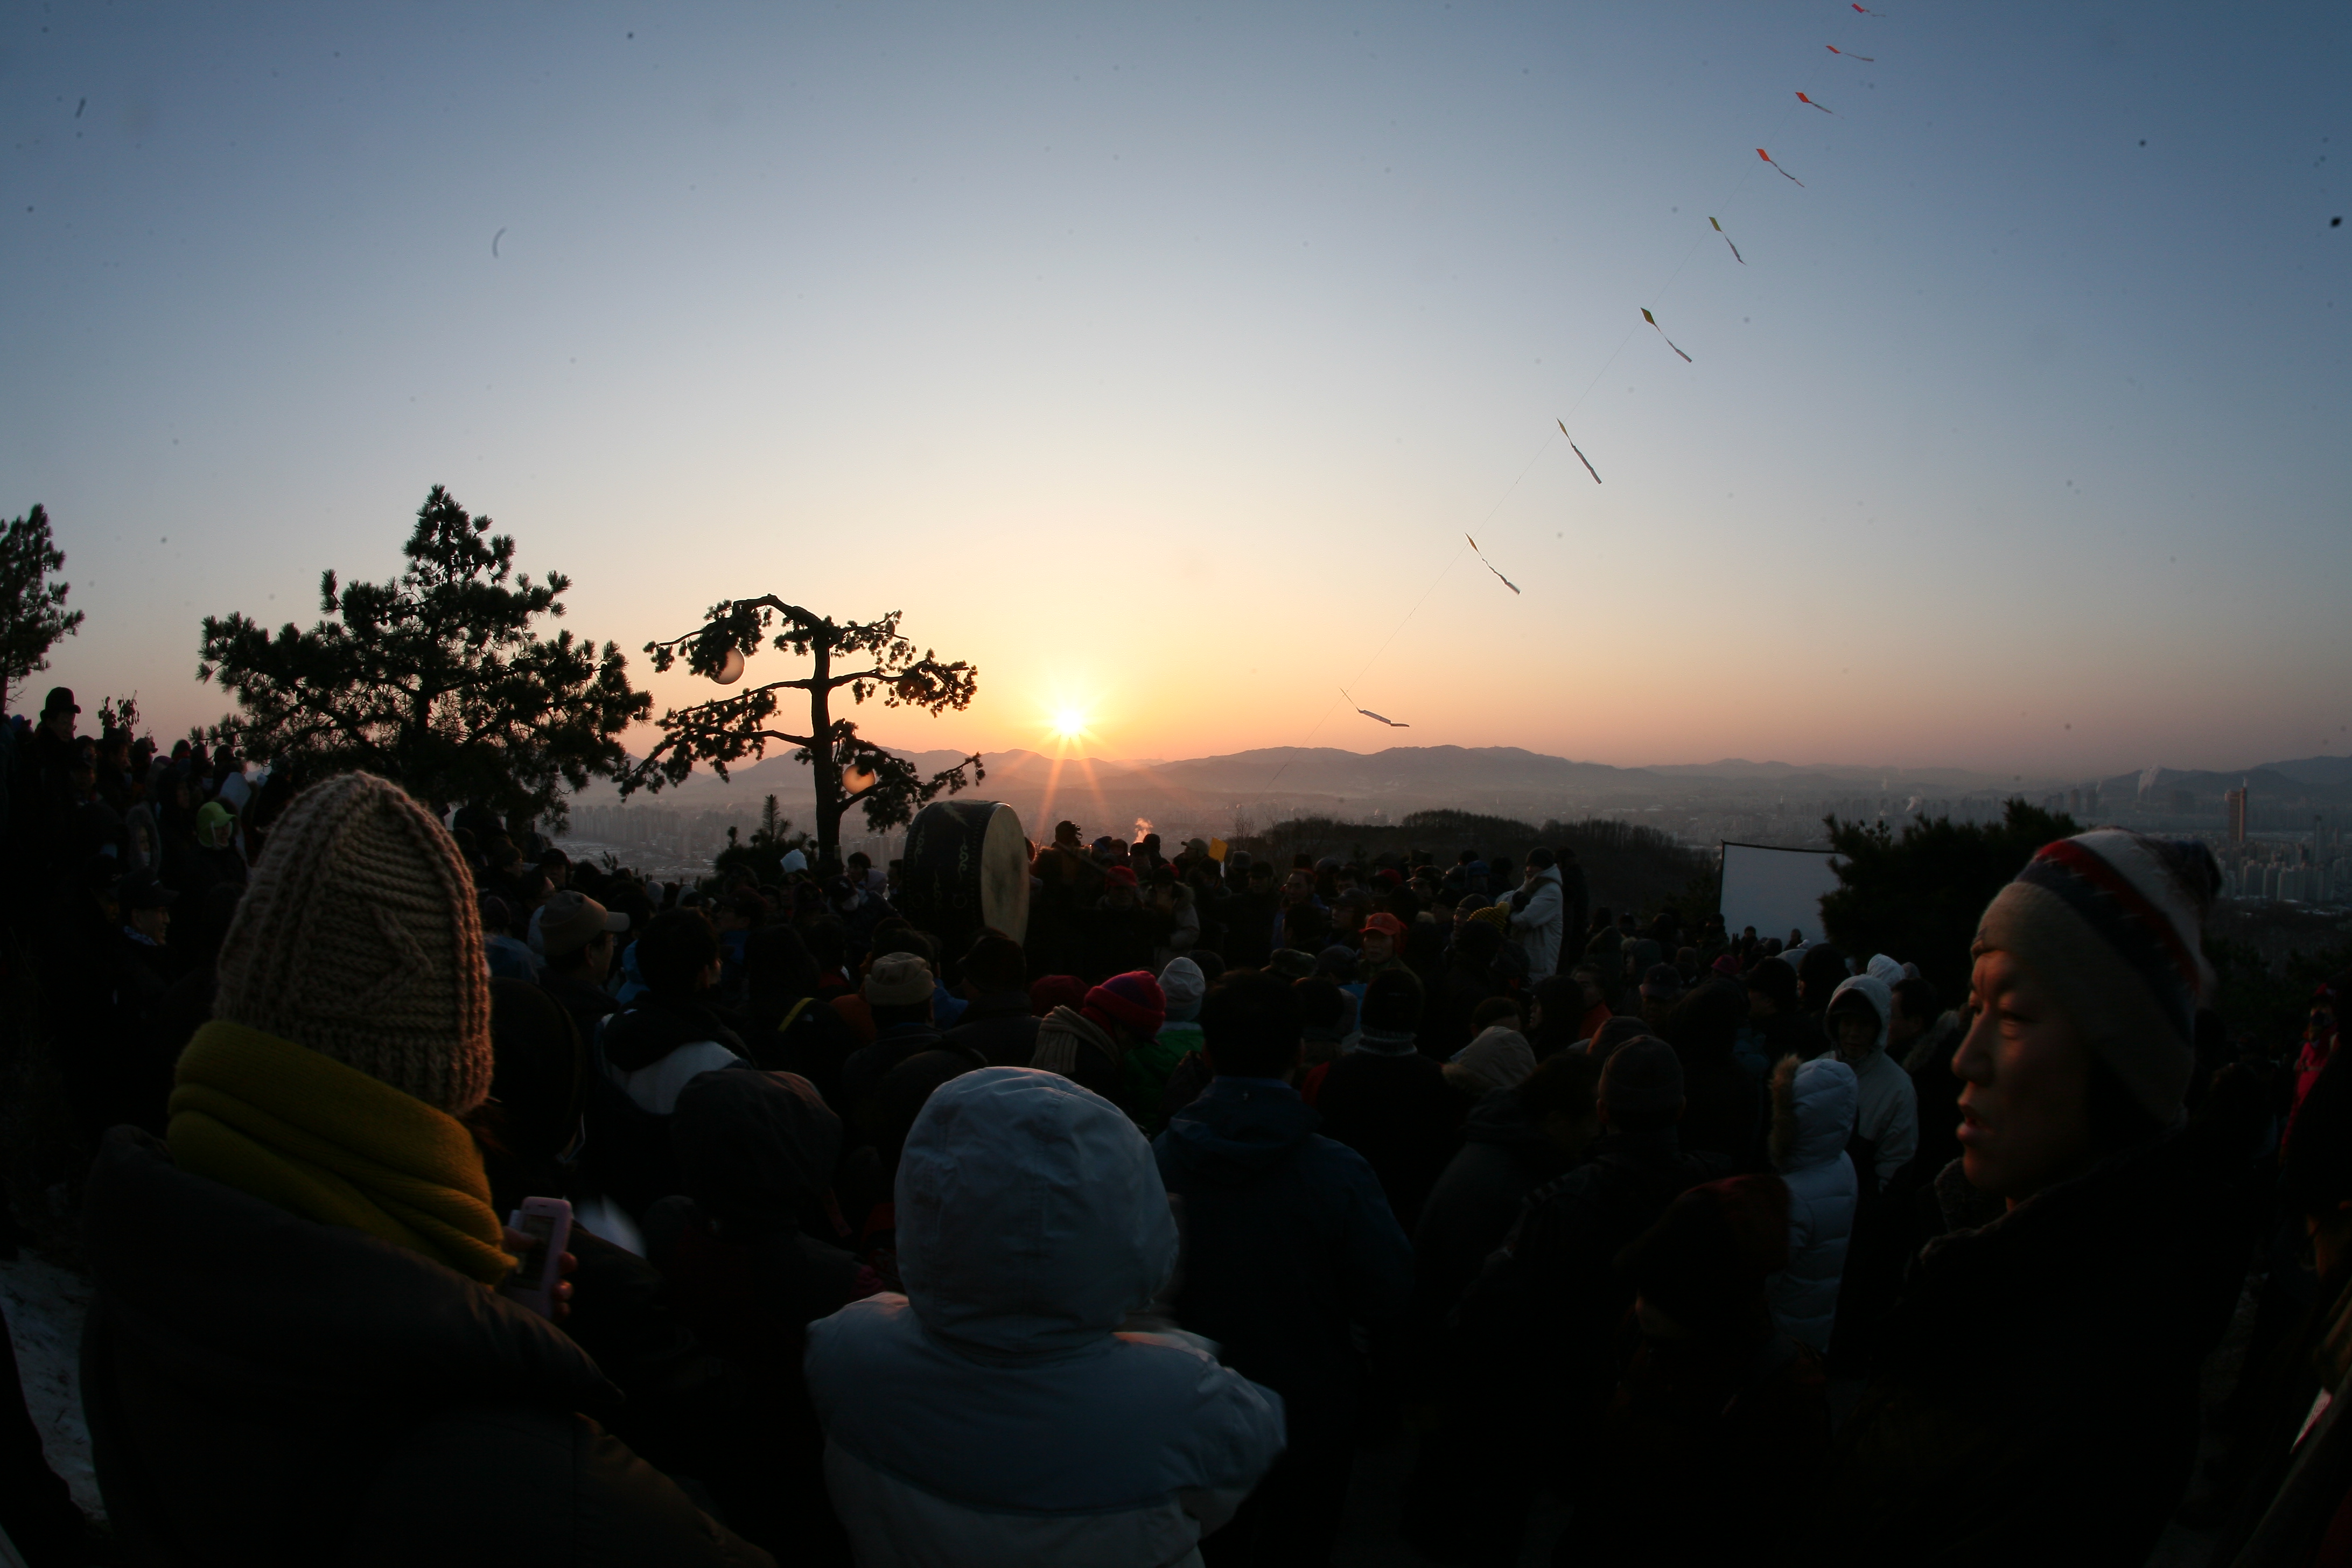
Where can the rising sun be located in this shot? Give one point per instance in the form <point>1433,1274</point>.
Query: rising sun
<point>1069,723</point>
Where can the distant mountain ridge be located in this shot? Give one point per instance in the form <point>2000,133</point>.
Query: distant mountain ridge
<point>1405,775</point>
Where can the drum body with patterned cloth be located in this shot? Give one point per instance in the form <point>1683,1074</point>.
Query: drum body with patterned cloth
<point>966,866</point>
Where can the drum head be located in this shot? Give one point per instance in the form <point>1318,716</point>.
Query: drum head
<point>1004,875</point>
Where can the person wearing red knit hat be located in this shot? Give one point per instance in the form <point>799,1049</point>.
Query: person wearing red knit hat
<point>1088,1043</point>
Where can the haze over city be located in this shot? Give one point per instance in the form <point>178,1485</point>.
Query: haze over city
<point>1159,363</point>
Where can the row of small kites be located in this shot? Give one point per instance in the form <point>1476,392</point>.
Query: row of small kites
<point>1716,224</point>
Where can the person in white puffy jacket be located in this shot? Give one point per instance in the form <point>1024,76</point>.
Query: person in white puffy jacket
<point>1538,913</point>
<point>1813,1107</point>
<point>994,1416</point>
<point>1889,1108</point>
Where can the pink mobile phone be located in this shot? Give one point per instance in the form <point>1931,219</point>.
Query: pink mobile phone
<point>546,1223</point>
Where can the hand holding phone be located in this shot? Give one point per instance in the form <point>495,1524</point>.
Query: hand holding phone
<point>539,1231</point>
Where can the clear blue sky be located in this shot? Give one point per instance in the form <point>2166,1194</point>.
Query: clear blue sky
<point>1157,358</point>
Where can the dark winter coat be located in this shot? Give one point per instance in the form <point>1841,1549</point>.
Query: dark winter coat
<point>1937,1090</point>
<point>1001,1029</point>
<point>1723,1110</point>
<point>1446,1016</point>
<point>1120,940</point>
<point>805,1037</point>
<point>1503,1158</point>
<point>752,1253</point>
<point>868,1067</point>
<point>1576,908</point>
<point>262,1389</point>
<point>1248,919</point>
<point>2035,1397</point>
<point>1397,1111</point>
<point>1710,1451</point>
<point>588,1003</point>
<point>1532,1351</point>
<point>1534,1331</point>
<point>1289,1249</point>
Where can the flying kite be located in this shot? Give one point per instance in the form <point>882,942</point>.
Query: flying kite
<point>1865,59</point>
<point>1783,172</point>
<point>494,241</point>
<point>1662,331</point>
<point>1368,713</point>
<point>1726,239</point>
<point>1580,458</point>
<point>1811,104</point>
<point>1489,565</point>
<point>1868,12</point>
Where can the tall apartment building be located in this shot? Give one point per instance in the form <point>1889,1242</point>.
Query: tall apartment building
<point>2235,800</point>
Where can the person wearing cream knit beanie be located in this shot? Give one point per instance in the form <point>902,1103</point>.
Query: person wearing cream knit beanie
<point>359,938</point>
<point>297,1352</point>
<point>2035,1388</point>
<point>350,1030</point>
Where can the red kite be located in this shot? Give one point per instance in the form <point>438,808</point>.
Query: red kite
<point>1662,335</point>
<point>1865,59</point>
<point>1868,12</point>
<point>1726,239</point>
<point>1803,99</point>
<point>1783,172</point>
<point>1580,456</point>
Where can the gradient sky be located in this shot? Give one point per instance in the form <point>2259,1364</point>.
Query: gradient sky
<point>1157,359</point>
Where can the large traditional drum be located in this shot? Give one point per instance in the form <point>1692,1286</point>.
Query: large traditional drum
<point>966,865</point>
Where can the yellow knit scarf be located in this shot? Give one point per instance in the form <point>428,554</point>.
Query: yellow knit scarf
<point>330,1144</point>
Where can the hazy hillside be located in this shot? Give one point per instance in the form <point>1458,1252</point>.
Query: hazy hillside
<point>1199,794</point>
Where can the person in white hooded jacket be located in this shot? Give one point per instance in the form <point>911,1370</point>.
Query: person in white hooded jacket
<point>1538,912</point>
<point>1889,1109</point>
<point>1812,1120</point>
<point>994,1414</point>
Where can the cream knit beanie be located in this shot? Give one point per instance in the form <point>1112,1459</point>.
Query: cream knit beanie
<point>359,938</point>
<point>2110,922</point>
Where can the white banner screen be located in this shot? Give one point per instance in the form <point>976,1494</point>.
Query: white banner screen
<point>1776,890</point>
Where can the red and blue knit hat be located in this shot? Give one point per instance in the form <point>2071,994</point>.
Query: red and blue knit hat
<point>1133,999</point>
<point>2110,922</point>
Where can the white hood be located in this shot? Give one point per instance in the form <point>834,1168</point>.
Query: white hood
<point>1813,1106</point>
<point>1031,1214</point>
<point>1876,992</point>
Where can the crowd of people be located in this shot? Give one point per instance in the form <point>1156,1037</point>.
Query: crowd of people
<point>1119,1238</point>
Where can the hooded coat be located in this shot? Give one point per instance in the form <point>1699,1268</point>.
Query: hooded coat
<point>1812,1120</point>
<point>263,1389</point>
<point>659,1045</point>
<point>1290,1247</point>
<point>993,1414</point>
<point>1888,1113</point>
